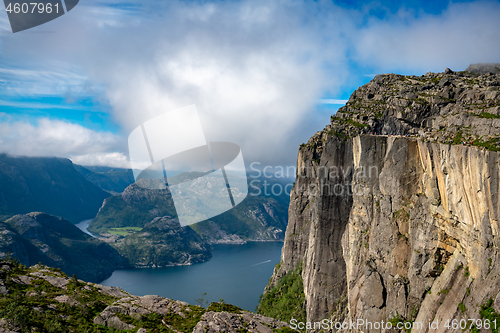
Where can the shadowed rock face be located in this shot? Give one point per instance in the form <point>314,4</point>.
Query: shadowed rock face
<point>51,240</point>
<point>407,225</point>
<point>46,184</point>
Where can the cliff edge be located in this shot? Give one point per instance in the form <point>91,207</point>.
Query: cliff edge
<point>395,213</point>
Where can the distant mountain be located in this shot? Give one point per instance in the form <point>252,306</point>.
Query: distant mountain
<point>258,217</point>
<point>47,184</point>
<point>163,242</point>
<point>112,180</point>
<point>40,238</point>
<point>135,207</point>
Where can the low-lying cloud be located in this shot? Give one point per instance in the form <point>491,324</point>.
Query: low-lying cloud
<point>58,138</point>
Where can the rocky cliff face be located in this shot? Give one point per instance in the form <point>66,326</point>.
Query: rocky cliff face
<point>395,210</point>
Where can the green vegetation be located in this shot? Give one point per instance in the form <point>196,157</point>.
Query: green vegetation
<point>488,115</point>
<point>355,123</point>
<point>116,213</point>
<point>340,135</point>
<point>458,138</point>
<point>443,292</point>
<point>435,80</point>
<point>32,307</point>
<point>492,144</point>
<point>286,299</point>
<point>238,221</point>
<point>154,247</point>
<point>187,323</point>
<point>400,319</point>
<point>461,306</point>
<point>420,100</point>
<point>487,312</point>
<point>39,306</point>
<point>222,306</point>
<point>125,231</point>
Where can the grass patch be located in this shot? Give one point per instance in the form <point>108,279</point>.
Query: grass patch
<point>188,323</point>
<point>458,138</point>
<point>443,292</point>
<point>221,306</point>
<point>491,144</point>
<point>286,300</point>
<point>487,115</point>
<point>356,124</point>
<point>125,231</point>
<point>398,319</point>
<point>488,313</point>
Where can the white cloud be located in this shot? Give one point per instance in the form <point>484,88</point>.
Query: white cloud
<point>114,160</point>
<point>255,69</point>
<point>465,33</point>
<point>62,139</point>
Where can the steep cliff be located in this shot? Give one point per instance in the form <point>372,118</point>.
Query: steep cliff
<point>395,211</point>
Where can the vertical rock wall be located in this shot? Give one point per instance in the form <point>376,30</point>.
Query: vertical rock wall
<point>394,226</point>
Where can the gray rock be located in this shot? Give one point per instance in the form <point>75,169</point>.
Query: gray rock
<point>484,68</point>
<point>215,322</point>
<point>58,282</point>
<point>112,291</point>
<point>65,299</point>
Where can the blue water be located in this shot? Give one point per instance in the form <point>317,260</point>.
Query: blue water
<point>83,227</point>
<point>236,273</point>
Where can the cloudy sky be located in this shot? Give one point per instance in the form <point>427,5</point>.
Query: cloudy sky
<point>263,74</point>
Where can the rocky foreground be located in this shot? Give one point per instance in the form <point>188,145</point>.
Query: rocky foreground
<point>43,299</point>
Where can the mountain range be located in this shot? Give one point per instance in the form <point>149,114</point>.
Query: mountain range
<point>46,184</point>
